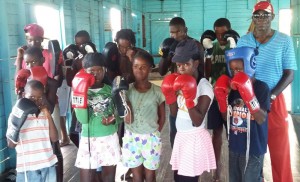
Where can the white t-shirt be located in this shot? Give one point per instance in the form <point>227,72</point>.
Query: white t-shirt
<point>183,119</point>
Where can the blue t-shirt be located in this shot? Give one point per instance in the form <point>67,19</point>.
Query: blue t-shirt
<point>238,122</point>
<point>274,56</point>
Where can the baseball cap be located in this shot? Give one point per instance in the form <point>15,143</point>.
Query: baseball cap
<point>185,51</point>
<point>265,6</point>
<point>34,30</point>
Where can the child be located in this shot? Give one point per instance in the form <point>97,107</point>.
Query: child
<point>141,142</point>
<point>192,151</point>
<point>34,60</point>
<point>216,66</point>
<point>94,109</point>
<point>30,130</point>
<point>248,103</point>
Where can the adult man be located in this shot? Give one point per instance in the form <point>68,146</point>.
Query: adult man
<point>215,66</point>
<point>275,66</point>
<point>178,32</point>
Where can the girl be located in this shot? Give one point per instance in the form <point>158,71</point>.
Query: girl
<point>189,96</point>
<point>99,144</point>
<point>141,141</point>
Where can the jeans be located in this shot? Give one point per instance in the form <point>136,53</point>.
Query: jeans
<point>237,171</point>
<point>47,174</point>
<point>173,129</point>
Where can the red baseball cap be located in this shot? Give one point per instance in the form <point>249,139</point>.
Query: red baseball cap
<point>34,30</point>
<point>265,6</point>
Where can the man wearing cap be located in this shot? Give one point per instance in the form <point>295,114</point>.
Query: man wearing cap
<point>275,66</point>
<point>189,96</point>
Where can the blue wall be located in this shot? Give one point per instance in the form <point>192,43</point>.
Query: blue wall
<point>93,16</point>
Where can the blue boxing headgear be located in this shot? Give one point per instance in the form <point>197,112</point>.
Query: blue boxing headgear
<point>247,54</point>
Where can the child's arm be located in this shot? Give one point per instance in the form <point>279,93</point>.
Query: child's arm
<point>161,116</point>
<point>52,129</point>
<point>51,93</point>
<point>198,113</point>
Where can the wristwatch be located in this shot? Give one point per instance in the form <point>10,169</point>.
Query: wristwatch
<point>273,97</point>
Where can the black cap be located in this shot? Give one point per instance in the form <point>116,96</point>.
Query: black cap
<point>185,51</point>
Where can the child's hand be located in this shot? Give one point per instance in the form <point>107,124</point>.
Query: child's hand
<point>130,54</point>
<point>109,120</point>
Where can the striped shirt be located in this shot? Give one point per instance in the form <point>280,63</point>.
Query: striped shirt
<point>34,150</point>
<point>274,56</point>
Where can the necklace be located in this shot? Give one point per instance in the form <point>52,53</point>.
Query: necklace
<point>258,44</point>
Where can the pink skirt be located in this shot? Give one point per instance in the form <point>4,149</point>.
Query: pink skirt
<point>193,153</point>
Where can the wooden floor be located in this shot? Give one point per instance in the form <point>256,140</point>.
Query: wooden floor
<point>164,173</point>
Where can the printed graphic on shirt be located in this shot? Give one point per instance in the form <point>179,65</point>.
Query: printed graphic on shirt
<point>101,105</point>
<point>181,102</point>
<point>238,117</point>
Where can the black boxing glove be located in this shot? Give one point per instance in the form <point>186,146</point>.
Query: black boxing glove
<point>119,88</point>
<point>232,37</point>
<point>18,116</point>
<point>111,54</point>
<point>206,40</point>
<point>88,47</point>
<point>167,47</point>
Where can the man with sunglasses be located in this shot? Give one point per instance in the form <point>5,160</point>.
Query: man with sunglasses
<point>275,66</point>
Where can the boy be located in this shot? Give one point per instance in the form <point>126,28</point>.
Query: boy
<point>31,130</point>
<point>248,104</point>
<point>215,66</point>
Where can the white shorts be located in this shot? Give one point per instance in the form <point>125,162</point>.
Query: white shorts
<point>63,94</point>
<point>103,151</point>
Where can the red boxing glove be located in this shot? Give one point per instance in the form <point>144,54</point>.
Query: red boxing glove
<point>21,80</point>
<point>167,88</point>
<point>39,73</point>
<point>188,86</point>
<point>80,85</point>
<point>221,90</point>
<point>242,83</point>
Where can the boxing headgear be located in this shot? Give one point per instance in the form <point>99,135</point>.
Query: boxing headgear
<point>247,54</point>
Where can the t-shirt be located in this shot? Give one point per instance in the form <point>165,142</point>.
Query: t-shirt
<point>47,65</point>
<point>218,61</point>
<point>34,150</point>
<point>273,56</point>
<point>183,119</point>
<point>100,104</point>
<point>238,122</point>
<point>145,109</point>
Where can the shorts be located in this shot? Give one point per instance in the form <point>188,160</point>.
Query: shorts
<point>47,174</point>
<point>63,94</point>
<point>104,151</point>
<point>56,120</point>
<point>141,149</point>
<point>214,117</point>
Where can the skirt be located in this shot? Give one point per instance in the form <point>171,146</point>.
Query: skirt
<point>193,152</point>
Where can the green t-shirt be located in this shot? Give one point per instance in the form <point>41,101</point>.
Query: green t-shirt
<point>100,104</point>
<point>218,61</point>
<point>145,109</point>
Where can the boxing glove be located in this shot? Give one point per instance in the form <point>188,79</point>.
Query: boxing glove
<point>18,116</point>
<point>70,53</point>
<point>232,37</point>
<point>167,88</point>
<point>167,47</point>
<point>119,88</point>
<point>188,86</point>
<point>221,90</point>
<point>206,40</point>
<point>88,47</point>
<point>243,84</point>
<point>39,73</point>
<point>111,54</point>
<point>21,80</point>
<point>80,85</point>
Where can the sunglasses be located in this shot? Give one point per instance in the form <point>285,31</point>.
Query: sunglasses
<point>262,16</point>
